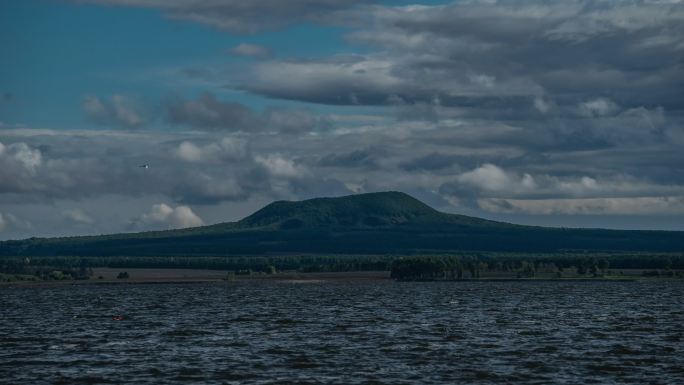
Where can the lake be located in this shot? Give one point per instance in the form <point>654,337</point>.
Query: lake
<point>377,332</point>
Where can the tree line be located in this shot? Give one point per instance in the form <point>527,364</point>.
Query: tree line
<point>528,266</point>
<point>453,266</point>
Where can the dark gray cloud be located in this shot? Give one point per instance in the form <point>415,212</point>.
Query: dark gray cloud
<point>431,162</point>
<point>288,120</point>
<point>495,54</point>
<point>239,16</point>
<point>344,80</point>
<point>207,112</point>
<point>359,158</point>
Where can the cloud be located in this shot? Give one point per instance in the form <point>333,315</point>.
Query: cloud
<point>492,181</point>
<point>482,107</point>
<point>76,167</point>
<point>598,107</point>
<point>19,164</point>
<point>487,180</point>
<point>431,162</point>
<point>280,166</point>
<point>78,216</point>
<point>467,166</point>
<point>346,80</point>
<point>163,217</point>
<point>251,50</point>
<point>226,149</point>
<point>10,222</point>
<point>241,16</point>
<point>358,158</point>
<point>20,155</point>
<point>588,206</point>
<point>490,177</point>
<point>287,120</point>
<point>207,112</point>
<point>118,111</point>
<point>3,223</point>
<point>542,105</point>
<point>492,54</point>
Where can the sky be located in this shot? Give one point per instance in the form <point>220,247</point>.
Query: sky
<point>555,113</point>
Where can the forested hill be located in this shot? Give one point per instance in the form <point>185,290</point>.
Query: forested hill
<point>376,223</point>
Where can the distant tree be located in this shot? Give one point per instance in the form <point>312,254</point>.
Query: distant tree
<point>419,268</point>
<point>482,266</point>
<point>472,267</point>
<point>593,266</point>
<point>581,264</point>
<point>527,269</point>
<point>603,264</point>
<point>84,271</point>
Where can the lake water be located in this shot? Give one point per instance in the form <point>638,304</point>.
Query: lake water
<point>379,332</point>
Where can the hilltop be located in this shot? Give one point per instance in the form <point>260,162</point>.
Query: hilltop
<point>374,223</point>
<point>370,210</point>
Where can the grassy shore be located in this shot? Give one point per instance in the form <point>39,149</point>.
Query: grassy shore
<point>179,276</point>
<point>157,276</point>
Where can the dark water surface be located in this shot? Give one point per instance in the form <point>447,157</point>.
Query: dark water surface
<point>345,333</point>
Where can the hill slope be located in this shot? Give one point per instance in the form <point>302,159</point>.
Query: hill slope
<point>376,223</point>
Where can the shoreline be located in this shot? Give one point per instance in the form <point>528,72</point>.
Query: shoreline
<point>192,276</point>
<point>138,276</point>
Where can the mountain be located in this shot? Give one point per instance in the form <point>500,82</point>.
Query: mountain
<point>375,223</point>
<point>356,211</point>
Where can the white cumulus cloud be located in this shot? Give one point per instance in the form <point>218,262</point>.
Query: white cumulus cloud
<point>493,178</point>
<point>279,166</point>
<point>163,216</point>
<point>20,154</point>
<point>226,149</point>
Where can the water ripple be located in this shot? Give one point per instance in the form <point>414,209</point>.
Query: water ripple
<point>345,333</point>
